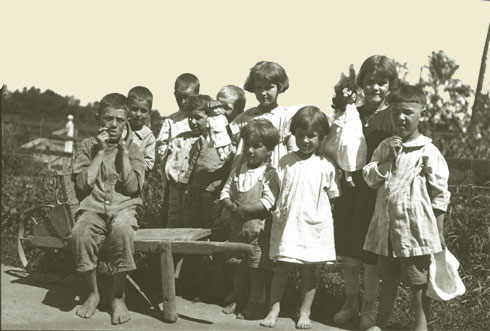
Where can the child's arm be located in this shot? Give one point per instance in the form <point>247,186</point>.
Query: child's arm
<point>163,138</point>
<point>375,172</point>
<point>225,196</point>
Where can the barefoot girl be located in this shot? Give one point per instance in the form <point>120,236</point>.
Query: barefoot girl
<point>302,226</point>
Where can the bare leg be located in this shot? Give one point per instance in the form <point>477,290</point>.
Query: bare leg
<point>371,284</point>
<point>87,309</point>
<point>420,306</point>
<point>308,279</point>
<point>239,288</point>
<point>253,309</point>
<point>119,311</point>
<point>386,300</point>
<point>350,310</point>
<point>279,280</point>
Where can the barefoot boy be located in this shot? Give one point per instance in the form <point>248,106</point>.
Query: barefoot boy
<point>140,101</point>
<point>108,172</point>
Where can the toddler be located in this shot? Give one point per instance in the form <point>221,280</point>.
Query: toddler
<point>248,196</point>
<point>302,227</point>
<point>410,176</point>
<point>233,100</point>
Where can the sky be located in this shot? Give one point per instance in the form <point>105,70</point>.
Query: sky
<point>88,49</point>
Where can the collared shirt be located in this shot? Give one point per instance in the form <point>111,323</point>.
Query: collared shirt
<point>108,194</point>
<point>415,185</point>
<point>178,157</point>
<point>172,126</point>
<point>246,178</point>
<point>145,139</point>
<point>280,117</point>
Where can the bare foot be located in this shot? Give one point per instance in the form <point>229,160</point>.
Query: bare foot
<point>87,309</point>
<point>120,313</point>
<point>270,320</point>
<point>229,309</point>
<point>304,321</point>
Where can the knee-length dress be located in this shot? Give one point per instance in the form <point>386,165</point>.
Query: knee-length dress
<point>302,224</point>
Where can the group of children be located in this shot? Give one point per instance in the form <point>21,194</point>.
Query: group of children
<point>369,188</point>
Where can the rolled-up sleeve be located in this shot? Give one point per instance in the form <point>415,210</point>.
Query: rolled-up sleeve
<point>271,189</point>
<point>370,172</point>
<point>437,175</point>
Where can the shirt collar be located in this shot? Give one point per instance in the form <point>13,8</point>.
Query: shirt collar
<point>143,132</point>
<point>418,142</point>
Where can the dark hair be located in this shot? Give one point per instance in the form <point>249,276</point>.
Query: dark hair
<point>113,100</point>
<point>197,102</point>
<point>140,93</point>
<point>262,129</point>
<point>269,71</point>
<point>378,65</point>
<point>407,93</point>
<point>239,104</point>
<point>186,81</point>
<point>310,117</point>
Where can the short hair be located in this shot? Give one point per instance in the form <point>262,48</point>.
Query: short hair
<point>378,65</point>
<point>186,81</point>
<point>141,93</point>
<point>407,93</point>
<point>197,102</point>
<point>262,129</point>
<point>113,100</point>
<point>269,71</point>
<point>239,104</point>
<point>310,117</point>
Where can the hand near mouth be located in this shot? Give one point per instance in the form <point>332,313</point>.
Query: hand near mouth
<point>102,138</point>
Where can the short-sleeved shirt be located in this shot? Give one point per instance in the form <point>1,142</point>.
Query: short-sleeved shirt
<point>145,139</point>
<point>172,126</point>
<point>109,194</point>
<point>178,157</point>
<point>406,196</point>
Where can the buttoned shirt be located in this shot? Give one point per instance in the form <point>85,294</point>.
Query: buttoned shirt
<point>108,195</point>
<point>178,157</point>
<point>172,126</point>
<point>415,185</point>
<point>145,139</point>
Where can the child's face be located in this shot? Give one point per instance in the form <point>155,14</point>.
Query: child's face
<point>266,92</point>
<point>307,140</point>
<point>182,93</point>
<point>255,151</point>
<point>198,122</point>
<point>139,111</point>
<point>406,116</point>
<point>228,101</point>
<point>114,120</point>
<point>375,89</point>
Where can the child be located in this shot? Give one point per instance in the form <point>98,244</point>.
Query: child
<point>108,171</point>
<point>411,177</point>
<point>176,123</point>
<point>177,163</point>
<point>233,100</point>
<point>140,101</point>
<point>354,208</point>
<point>217,126</point>
<point>248,196</point>
<point>267,80</point>
<point>348,140</point>
<point>302,226</point>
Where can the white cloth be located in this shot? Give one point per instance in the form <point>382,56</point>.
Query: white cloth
<point>172,126</point>
<point>404,207</point>
<point>70,132</point>
<point>217,130</point>
<point>247,178</point>
<point>302,223</point>
<point>444,281</point>
<point>346,143</point>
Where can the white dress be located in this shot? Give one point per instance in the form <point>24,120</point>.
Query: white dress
<point>302,223</point>
<point>346,143</point>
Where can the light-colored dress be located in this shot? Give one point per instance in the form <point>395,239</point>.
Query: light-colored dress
<point>302,224</point>
<point>346,142</point>
<point>415,185</point>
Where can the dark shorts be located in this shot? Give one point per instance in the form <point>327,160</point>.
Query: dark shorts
<point>412,270</point>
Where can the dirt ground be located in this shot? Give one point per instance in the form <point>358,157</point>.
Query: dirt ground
<point>29,304</point>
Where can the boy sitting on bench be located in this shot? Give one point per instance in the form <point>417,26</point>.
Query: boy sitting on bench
<point>108,171</point>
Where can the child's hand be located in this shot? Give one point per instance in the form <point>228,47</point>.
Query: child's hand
<point>229,205</point>
<point>126,137</point>
<point>240,211</point>
<point>395,144</point>
<point>102,138</point>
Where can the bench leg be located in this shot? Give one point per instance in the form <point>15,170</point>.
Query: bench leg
<point>168,284</point>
